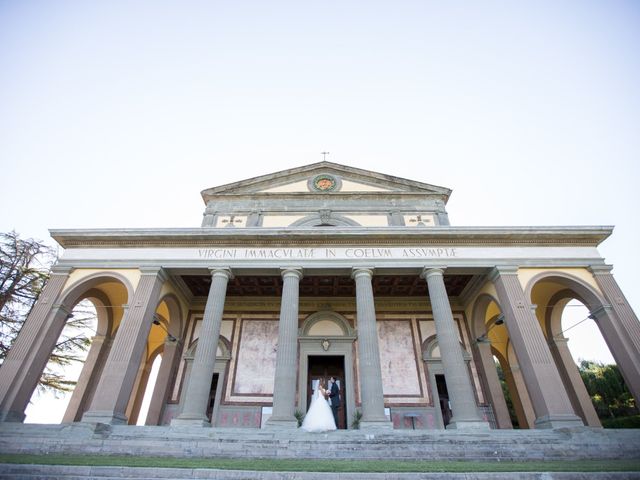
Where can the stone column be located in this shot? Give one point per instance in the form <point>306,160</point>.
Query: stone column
<point>578,394</point>
<point>23,365</point>
<point>548,395</point>
<point>369,354</point>
<point>520,396</point>
<point>461,395</point>
<point>110,401</point>
<point>284,388</point>
<point>80,393</point>
<point>166,374</point>
<point>620,328</point>
<point>196,394</point>
<point>492,382</point>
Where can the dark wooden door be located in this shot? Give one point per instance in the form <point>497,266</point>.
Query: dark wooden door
<point>323,367</point>
<point>443,395</point>
<point>212,396</point>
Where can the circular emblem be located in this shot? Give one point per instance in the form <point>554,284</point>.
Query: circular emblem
<point>324,183</point>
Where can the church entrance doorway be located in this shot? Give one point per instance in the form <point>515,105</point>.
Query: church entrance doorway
<point>323,367</point>
<point>212,397</point>
<point>443,396</point>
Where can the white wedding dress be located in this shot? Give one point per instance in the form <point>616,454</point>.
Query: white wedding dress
<point>319,418</point>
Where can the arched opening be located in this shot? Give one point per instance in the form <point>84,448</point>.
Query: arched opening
<point>83,328</point>
<point>148,391</point>
<point>570,312</point>
<point>223,355</point>
<point>437,378</point>
<point>500,374</point>
<point>51,397</point>
<point>155,377</point>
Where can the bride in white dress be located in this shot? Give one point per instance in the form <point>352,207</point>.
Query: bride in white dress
<point>319,417</point>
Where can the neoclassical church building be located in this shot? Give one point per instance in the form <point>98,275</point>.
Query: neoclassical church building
<point>327,270</point>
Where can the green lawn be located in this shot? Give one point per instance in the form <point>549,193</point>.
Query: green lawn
<point>302,465</point>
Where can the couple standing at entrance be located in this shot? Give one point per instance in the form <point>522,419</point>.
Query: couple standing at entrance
<point>323,411</point>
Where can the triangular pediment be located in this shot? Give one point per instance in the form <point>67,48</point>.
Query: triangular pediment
<point>325,177</point>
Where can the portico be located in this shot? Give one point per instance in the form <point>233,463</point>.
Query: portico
<point>362,270</point>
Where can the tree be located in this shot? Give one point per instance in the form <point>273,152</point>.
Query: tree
<point>24,270</point>
<point>609,394</point>
<point>507,395</point>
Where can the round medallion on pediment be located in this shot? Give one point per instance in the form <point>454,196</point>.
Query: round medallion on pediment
<point>324,183</point>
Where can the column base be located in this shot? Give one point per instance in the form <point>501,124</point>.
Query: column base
<point>376,425</point>
<point>288,423</point>
<point>190,421</point>
<point>558,421</point>
<point>107,417</point>
<point>468,425</point>
<point>17,417</point>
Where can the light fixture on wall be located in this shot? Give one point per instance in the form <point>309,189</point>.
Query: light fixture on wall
<point>499,321</point>
<point>156,321</point>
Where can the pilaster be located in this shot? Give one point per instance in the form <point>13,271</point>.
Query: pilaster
<point>578,394</point>
<point>81,391</point>
<point>492,382</point>
<point>114,389</point>
<point>548,395</point>
<point>620,327</point>
<point>166,374</point>
<point>23,365</point>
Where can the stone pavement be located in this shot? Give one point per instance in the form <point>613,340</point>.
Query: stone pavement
<point>49,472</point>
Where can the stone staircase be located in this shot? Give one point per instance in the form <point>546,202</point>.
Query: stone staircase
<point>504,445</point>
<point>197,442</point>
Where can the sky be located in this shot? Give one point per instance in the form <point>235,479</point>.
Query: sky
<point>117,114</point>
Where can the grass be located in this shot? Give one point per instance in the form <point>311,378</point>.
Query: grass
<point>304,465</point>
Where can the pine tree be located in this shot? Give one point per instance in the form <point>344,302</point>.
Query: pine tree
<point>24,270</point>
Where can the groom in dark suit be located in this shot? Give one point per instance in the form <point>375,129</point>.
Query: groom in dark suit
<point>334,395</point>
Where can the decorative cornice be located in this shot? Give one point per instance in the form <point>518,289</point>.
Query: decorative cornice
<point>590,236</point>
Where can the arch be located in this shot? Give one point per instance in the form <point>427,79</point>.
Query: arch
<point>76,291</point>
<point>565,288</point>
<point>325,315</point>
<point>220,368</point>
<point>223,344</point>
<point>104,313</point>
<point>319,220</point>
<point>430,344</point>
<point>584,292</point>
<point>478,322</point>
<point>175,321</point>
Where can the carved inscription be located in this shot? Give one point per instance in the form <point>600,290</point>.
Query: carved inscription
<point>323,253</point>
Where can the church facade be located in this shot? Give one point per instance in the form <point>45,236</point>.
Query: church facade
<point>327,270</point>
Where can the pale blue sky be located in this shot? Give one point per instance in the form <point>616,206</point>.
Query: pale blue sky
<point>118,113</point>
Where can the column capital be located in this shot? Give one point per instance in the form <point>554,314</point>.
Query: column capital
<point>221,272</point>
<point>155,270</point>
<point>291,272</point>
<point>430,271</point>
<point>557,340</point>
<point>503,270</point>
<point>600,269</point>
<point>64,308</point>
<point>61,270</point>
<point>362,271</point>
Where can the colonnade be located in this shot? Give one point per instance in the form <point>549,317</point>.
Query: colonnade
<point>551,403</point>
